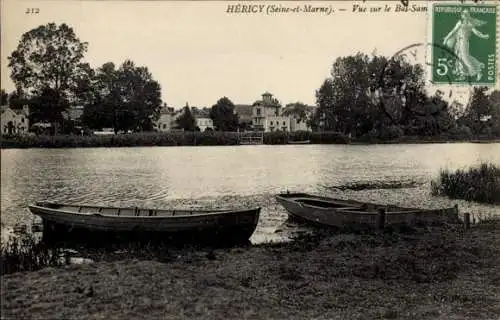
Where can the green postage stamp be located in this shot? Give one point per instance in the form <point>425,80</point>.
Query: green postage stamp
<point>464,43</point>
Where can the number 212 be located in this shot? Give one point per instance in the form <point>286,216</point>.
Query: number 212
<point>32,10</point>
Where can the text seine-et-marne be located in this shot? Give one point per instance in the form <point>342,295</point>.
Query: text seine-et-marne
<point>260,8</point>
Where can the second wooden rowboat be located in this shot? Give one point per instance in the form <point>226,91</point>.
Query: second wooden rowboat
<point>340,213</point>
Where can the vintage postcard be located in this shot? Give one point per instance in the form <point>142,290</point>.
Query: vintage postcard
<point>171,159</point>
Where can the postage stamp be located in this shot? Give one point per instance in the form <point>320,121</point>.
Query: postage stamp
<point>464,43</point>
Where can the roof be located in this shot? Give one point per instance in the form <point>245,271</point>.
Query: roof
<point>166,110</point>
<point>16,111</point>
<point>200,112</point>
<point>243,109</point>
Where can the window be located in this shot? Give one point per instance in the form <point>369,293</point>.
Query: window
<point>271,123</point>
<point>258,111</point>
<point>164,126</point>
<point>22,119</point>
<point>284,123</point>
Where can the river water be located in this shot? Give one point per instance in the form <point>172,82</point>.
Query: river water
<point>235,176</point>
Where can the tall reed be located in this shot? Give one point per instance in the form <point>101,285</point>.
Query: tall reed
<point>25,253</point>
<point>480,184</point>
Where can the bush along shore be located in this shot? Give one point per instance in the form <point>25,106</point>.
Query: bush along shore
<point>215,138</point>
<point>480,184</point>
<point>209,138</point>
<point>432,273</point>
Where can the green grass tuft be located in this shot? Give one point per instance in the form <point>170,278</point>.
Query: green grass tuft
<point>480,184</point>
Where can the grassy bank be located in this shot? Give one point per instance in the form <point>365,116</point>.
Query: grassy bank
<point>427,274</point>
<point>445,138</point>
<point>26,253</point>
<point>163,139</point>
<point>480,184</point>
<point>212,139</point>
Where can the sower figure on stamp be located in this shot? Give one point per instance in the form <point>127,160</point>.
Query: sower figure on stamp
<point>458,40</point>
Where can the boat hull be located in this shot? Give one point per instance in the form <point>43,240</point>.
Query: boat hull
<point>300,142</point>
<point>201,227</point>
<point>324,211</point>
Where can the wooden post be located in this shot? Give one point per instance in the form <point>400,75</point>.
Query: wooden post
<point>467,220</point>
<point>381,219</point>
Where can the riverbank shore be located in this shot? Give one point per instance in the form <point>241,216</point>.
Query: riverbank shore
<point>432,273</point>
<point>213,138</point>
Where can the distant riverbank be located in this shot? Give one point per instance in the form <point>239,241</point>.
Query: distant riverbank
<point>214,139</point>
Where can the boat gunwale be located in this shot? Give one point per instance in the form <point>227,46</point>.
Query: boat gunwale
<point>194,214</point>
<point>293,197</point>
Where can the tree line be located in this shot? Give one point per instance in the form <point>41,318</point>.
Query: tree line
<point>364,96</point>
<point>377,97</point>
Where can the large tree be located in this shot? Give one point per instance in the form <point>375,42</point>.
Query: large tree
<point>369,94</point>
<point>296,109</point>
<point>141,97</point>
<point>17,99</point>
<point>4,98</point>
<point>495,111</point>
<point>99,93</point>
<point>48,105</point>
<point>125,99</point>
<point>186,120</point>
<point>223,116</point>
<point>48,58</point>
<point>479,111</point>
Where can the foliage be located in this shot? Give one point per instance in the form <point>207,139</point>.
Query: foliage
<point>4,98</point>
<point>123,99</point>
<point>298,110</point>
<point>17,100</point>
<point>325,137</point>
<point>47,59</point>
<point>25,253</point>
<point>186,120</point>
<point>48,105</point>
<point>481,184</point>
<point>482,111</point>
<point>183,138</point>
<point>382,99</point>
<point>495,112</point>
<point>223,116</point>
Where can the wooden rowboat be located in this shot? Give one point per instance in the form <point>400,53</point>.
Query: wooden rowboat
<point>339,213</point>
<point>200,225</point>
<point>299,142</point>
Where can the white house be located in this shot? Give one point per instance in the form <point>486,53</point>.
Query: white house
<point>14,121</point>
<point>73,113</point>
<point>204,122</point>
<point>262,109</point>
<point>165,121</point>
<point>276,123</point>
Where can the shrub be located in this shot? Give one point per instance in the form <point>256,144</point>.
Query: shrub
<point>207,138</point>
<point>25,253</point>
<point>480,184</point>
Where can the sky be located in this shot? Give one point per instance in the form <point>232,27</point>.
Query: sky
<point>199,52</point>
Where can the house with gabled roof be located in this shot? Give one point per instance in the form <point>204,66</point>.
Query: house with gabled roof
<point>165,120</point>
<point>14,121</point>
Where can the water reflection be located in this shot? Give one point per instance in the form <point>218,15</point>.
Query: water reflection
<point>228,176</point>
